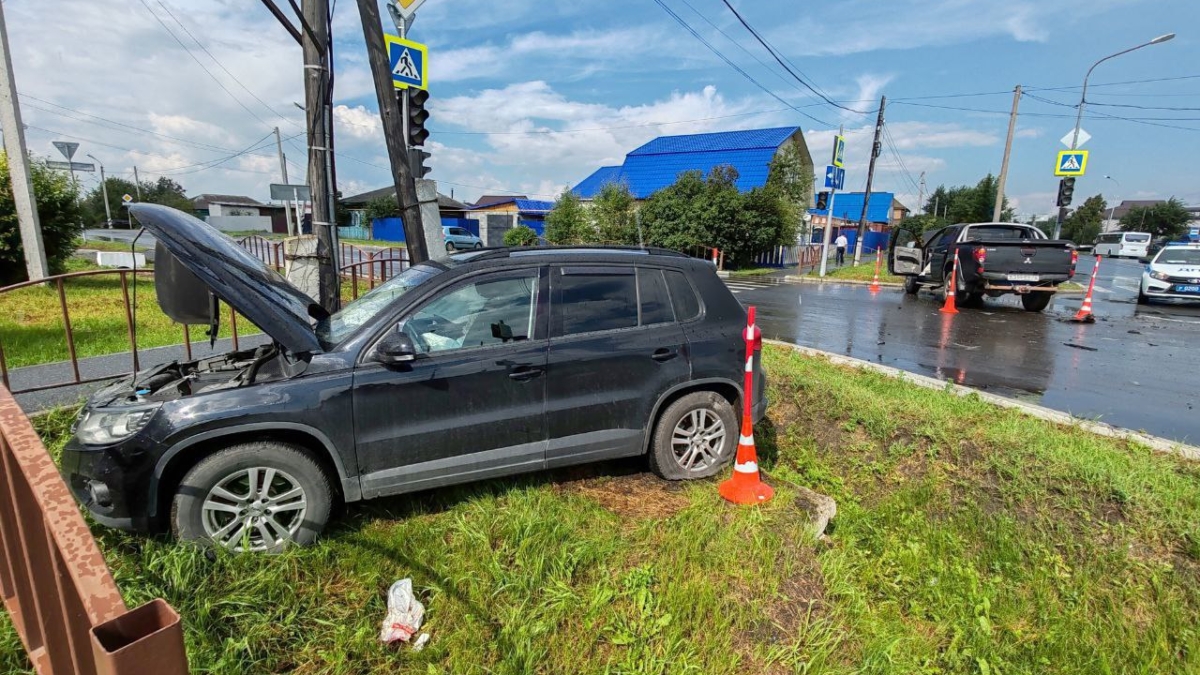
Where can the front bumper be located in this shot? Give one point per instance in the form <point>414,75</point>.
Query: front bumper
<point>1154,288</point>
<point>125,476</point>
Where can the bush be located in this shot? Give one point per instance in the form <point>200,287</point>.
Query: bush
<point>58,213</point>
<point>521,235</point>
<point>382,207</point>
<point>567,223</point>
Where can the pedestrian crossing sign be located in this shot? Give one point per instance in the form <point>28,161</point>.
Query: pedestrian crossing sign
<point>409,61</point>
<point>1071,163</point>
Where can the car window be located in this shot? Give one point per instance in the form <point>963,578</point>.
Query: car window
<point>656,304</point>
<point>491,311</point>
<point>597,298</point>
<point>999,232</point>
<point>1137,238</point>
<point>354,315</point>
<point>683,297</point>
<point>947,237</point>
<point>458,231</point>
<point>1178,256</point>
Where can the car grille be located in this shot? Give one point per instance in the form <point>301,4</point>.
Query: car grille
<point>1183,280</point>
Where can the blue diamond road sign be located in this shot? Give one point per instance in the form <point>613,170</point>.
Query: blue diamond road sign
<point>834,177</point>
<point>408,60</point>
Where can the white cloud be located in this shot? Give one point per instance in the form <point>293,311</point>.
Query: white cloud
<point>357,122</point>
<point>1029,133</point>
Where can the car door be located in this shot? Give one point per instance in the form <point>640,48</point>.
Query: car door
<point>471,404</point>
<point>939,250</point>
<point>615,347</point>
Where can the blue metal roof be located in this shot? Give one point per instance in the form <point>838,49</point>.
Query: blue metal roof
<point>658,163</point>
<point>848,206</point>
<point>751,139</point>
<point>533,205</point>
<point>591,185</point>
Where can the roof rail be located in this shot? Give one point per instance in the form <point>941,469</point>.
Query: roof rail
<point>494,252</point>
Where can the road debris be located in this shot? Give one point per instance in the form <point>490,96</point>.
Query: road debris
<point>404,616</point>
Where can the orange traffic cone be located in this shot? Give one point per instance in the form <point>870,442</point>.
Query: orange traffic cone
<point>746,487</point>
<point>952,288</point>
<point>875,282</point>
<point>1084,315</point>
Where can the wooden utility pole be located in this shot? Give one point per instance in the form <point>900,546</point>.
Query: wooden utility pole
<point>875,148</point>
<point>18,165</point>
<point>393,130</point>
<point>1012,125</point>
<point>316,92</point>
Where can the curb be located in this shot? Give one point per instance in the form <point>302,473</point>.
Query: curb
<point>847,282</point>
<point>1040,412</point>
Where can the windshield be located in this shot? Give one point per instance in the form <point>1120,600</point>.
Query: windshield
<point>351,317</point>
<point>1178,256</point>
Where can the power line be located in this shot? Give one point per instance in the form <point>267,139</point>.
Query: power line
<point>680,20</point>
<point>771,51</point>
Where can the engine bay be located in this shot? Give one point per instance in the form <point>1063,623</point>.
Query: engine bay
<point>178,379</point>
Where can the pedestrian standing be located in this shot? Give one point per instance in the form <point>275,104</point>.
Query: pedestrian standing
<point>841,243</point>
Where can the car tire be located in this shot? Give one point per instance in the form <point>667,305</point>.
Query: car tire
<point>449,247</point>
<point>911,286</point>
<point>1036,302</point>
<point>204,507</point>
<point>479,244</point>
<point>1142,299</point>
<point>677,427</point>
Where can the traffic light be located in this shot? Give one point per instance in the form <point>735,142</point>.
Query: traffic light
<point>1066,188</point>
<point>417,115</point>
<point>416,162</point>
<point>822,200</point>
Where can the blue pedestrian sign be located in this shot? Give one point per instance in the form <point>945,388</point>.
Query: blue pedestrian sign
<point>409,61</point>
<point>1071,163</point>
<point>835,177</point>
<point>839,151</point>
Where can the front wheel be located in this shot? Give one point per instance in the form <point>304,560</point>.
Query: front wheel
<point>695,437</point>
<point>260,496</point>
<point>1036,302</point>
<point>479,244</point>
<point>449,247</point>
<point>1143,299</point>
<point>911,286</point>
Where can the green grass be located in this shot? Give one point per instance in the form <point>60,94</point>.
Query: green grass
<point>752,272</point>
<point>969,539</point>
<point>98,245</point>
<point>863,272</point>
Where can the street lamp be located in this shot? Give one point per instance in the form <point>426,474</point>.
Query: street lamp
<point>103,191</point>
<point>1083,96</point>
<point>1114,206</point>
<point>1083,100</point>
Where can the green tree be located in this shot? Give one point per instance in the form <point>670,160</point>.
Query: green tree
<point>613,213</point>
<point>382,207</point>
<point>668,215</point>
<point>167,192</point>
<point>967,203</point>
<point>521,235</point>
<point>58,214</point>
<point>1085,223</point>
<point>1166,219</point>
<point>567,222</point>
<point>341,213</point>
<point>163,191</point>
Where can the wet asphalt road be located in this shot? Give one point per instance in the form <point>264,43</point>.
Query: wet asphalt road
<point>1136,367</point>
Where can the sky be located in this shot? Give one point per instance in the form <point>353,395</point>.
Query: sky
<point>530,96</point>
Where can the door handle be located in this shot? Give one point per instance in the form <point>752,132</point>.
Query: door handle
<point>524,373</point>
<point>663,354</point>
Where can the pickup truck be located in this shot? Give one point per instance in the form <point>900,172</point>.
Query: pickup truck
<point>993,259</point>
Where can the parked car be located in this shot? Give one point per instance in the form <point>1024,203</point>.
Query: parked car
<point>483,364</point>
<point>993,259</point>
<point>1173,272</point>
<point>459,238</point>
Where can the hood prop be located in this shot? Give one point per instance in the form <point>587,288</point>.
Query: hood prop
<point>133,309</point>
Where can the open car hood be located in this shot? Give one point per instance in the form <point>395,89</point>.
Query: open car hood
<point>243,281</point>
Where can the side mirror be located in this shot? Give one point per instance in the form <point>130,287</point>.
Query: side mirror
<point>1144,261</point>
<point>394,348</point>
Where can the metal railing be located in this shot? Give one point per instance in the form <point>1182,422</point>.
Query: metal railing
<point>69,333</point>
<point>56,586</point>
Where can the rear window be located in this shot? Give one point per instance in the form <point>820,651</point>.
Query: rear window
<point>1137,237</point>
<point>999,232</point>
<point>683,297</point>
<point>656,304</point>
<point>595,299</point>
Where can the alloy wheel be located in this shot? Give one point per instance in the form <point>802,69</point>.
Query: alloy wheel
<point>254,509</point>
<point>697,439</point>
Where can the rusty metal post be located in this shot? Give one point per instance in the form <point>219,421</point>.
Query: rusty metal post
<point>3,367</point>
<point>62,301</point>
<point>187,341</point>
<point>129,320</point>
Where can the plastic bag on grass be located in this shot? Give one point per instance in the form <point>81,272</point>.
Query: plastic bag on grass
<point>405,613</point>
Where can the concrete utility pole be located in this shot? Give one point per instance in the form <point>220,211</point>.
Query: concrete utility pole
<point>287,212</point>
<point>875,148</point>
<point>1012,126</point>
<point>829,216</point>
<point>921,193</point>
<point>104,192</point>
<point>316,90</point>
<point>18,165</point>
<point>137,184</point>
<point>393,130</point>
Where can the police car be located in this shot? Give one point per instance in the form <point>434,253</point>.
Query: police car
<point>1174,272</point>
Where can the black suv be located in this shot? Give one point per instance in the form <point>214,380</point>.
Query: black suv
<point>483,364</point>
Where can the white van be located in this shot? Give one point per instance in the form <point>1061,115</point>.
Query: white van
<point>1122,244</point>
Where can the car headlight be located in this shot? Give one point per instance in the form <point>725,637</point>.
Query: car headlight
<point>1159,275</point>
<point>104,427</point>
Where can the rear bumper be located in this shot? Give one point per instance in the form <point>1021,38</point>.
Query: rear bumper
<point>1001,279</point>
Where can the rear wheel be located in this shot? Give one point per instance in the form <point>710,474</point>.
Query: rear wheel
<point>1035,302</point>
<point>259,496</point>
<point>911,286</point>
<point>695,437</point>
